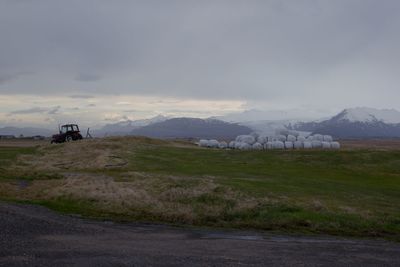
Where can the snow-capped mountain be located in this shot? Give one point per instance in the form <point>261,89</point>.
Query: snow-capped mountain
<point>357,123</point>
<point>363,114</point>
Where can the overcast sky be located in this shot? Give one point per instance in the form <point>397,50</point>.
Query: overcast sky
<point>101,61</point>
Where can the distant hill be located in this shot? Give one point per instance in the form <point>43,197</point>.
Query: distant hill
<point>126,127</point>
<point>357,123</point>
<point>26,131</point>
<point>267,121</point>
<point>192,128</point>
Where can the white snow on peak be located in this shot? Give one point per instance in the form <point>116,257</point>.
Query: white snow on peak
<point>364,114</point>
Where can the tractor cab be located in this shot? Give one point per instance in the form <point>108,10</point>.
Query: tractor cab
<point>67,133</point>
<point>69,128</point>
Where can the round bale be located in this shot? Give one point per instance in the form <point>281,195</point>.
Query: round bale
<point>326,145</point>
<point>257,146</point>
<point>335,145</point>
<point>318,137</point>
<point>232,144</point>
<point>246,139</point>
<point>213,143</point>
<point>203,143</point>
<point>244,146</point>
<point>307,144</point>
<point>316,144</point>
<point>281,138</point>
<point>238,145</point>
<point>223,145</point>
<point>298,144</point>
<point>278,145</point>
<point>301,138</point>
<point>268,145</point>
<point>289,145</point>
<point>262,139</point>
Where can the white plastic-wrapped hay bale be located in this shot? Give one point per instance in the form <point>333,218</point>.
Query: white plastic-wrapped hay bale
<point>307,144</point>
<point>291,138</point>
<point>237,145</point>
<point>257,146</point>
<point>213,143</point>
<point>232,144</point>
<point>281,138</point>
<point>284,132</point>
<point>335,145</point>
<point>239,137</point>
<point>326,145</point>
<point>298,144</point>
<point>223,145</point>
<point>255,135</point>
<point>310,138</point>
<point>316,144</point>
<point>318,137</point>
<point>268,145</point>
<point>262,139</point>
<point>245,146</point>
<point>249,139</point>
<point>203,143</point>
<point>289,145</point>
<point>278,145</point>
<point>301,138</point>
<point>328,138</point>
<point>294,133</point>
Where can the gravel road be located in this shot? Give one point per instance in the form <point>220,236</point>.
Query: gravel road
<point>35,236</point>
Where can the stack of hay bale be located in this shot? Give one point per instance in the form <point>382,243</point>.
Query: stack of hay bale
<point>283,139</point>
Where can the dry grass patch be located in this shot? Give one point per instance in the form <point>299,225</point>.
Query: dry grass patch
<point>168,198</point>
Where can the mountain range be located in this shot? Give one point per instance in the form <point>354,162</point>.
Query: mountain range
<point>361,122</point>
<point>193,128</point>
<point>356,123</point>
<point>127,126</point>
<point>25,131</point>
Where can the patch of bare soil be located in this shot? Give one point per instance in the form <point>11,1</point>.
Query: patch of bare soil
<point>85,154</point>
<point>373,144</point>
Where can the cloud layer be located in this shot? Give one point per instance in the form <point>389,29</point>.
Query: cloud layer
<point>268,54</point>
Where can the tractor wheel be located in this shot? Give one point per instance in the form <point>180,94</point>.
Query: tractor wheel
<point>68,138</point>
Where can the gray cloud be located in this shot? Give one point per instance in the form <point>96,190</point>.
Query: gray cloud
<point>29,111</point>
<point>294,52</point>
<point>5,78</point>
<point>54,110</point>
<point>82,96</point>
<point>33,110</point>
<point>86,77</point>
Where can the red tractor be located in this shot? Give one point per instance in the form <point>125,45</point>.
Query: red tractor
<point>68,133</point>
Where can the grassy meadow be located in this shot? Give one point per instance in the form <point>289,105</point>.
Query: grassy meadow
<point>351,192</point>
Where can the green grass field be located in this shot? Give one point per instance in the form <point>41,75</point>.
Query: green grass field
<point>348,192</point>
